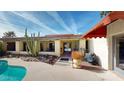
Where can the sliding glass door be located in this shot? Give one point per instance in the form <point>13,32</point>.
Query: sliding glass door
<point>118,54</point>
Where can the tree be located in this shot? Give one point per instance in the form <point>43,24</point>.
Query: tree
<point>104,13</point>
<point>9,34</point>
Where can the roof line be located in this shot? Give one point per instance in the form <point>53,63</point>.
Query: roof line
<point>99,23</point>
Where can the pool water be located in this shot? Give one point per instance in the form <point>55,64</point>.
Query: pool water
<point>11,73</point>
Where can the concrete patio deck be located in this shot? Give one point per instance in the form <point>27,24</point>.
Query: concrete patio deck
<point>38,71</point>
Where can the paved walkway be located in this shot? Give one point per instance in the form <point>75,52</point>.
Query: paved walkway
<point>37,71</point>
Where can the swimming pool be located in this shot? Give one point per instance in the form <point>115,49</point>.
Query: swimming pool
<point>11,73</point>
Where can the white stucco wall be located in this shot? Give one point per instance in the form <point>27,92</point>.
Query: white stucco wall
<point>100,48</point>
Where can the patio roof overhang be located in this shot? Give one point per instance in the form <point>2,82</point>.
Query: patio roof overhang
<point>100,30</point>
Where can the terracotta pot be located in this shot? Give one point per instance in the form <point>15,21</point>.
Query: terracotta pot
<point>76,63</point>
<point>77,57</point>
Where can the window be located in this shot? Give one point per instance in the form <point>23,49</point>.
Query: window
<point>119,45</point>
<point>41,47</point>
<point>67,47</point>
<point>47,46</point>
<point>10,46</point>
<point>52,46</point>
<point>87,45</point>
<point>24,46</point>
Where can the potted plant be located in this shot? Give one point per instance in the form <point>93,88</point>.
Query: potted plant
<point>76,59</point>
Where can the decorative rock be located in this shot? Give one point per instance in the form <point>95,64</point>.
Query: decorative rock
<point>42,58</point>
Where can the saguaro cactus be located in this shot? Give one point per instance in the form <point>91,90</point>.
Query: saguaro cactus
<point>33,44</point>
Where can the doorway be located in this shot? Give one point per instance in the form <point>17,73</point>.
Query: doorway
<point>67,48</point>
<point>118,54</point>
<point>11,46</point>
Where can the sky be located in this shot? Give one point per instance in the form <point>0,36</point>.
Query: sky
<point>45,22</point>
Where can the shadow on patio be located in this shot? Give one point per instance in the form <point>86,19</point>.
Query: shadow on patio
<point>93,68</point>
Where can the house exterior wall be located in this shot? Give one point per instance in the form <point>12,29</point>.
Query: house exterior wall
<point>45,45</point>
<point>75,44</point>
<point>100,48</point>
<point>5,45</point>
<point>91,45</point>
<point>19,46</point>
<point>79,43</point>
<point>82,44</point>
<point>57,47</point>
<point>113,29</point>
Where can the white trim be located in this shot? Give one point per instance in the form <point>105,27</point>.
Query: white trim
<point>115,34</point>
